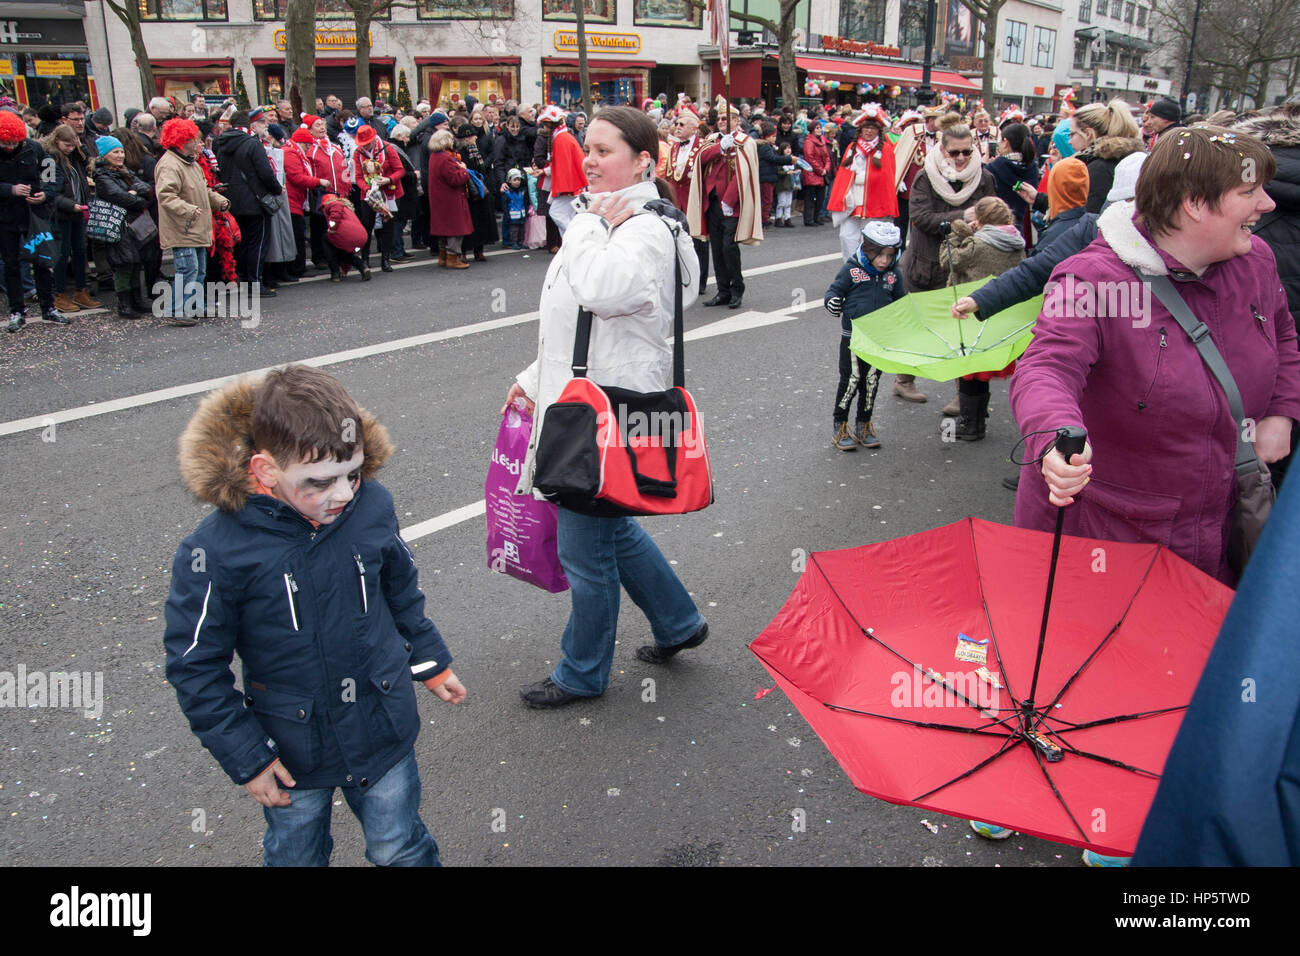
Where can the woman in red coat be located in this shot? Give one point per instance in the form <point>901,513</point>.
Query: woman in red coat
<point>448,204</point>
<point>378,174</point>
<point>818,154</point>
<point>301,183</point>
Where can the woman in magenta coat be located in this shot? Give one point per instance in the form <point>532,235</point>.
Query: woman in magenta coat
<point>1106,356</point>
<point>448,205</point>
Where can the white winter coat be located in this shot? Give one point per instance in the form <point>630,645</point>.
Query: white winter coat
<point>624,276</point>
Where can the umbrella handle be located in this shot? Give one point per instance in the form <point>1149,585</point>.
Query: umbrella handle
<point>1070,441</point>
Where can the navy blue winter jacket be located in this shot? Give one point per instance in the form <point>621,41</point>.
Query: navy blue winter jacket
<point>860,288</point>
<point>328,622</point>
<point>1030,277</point>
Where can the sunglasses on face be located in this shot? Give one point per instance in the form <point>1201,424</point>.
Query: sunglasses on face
<point>954,153</point>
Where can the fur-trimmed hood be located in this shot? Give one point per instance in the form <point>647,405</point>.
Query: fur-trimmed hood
<point>1116,226</point>
<point>1279,127</point>
<point>1111,147</point>
<point>217,444</point>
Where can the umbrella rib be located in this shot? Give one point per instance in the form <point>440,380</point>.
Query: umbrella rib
<point>1057,793</point>
<point>988,618</point>
<point>1010,742</point>
<point>1114,720</point>
<point>872,636</point>
<point>1111,633</point>
<point>919,723</point>
<point>1112,761</point>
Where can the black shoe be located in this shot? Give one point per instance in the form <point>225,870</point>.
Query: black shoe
<point>1012,483</point>
<point>546,693</point>
<point>182,321</point>
<point>704,287</point>
<point>383,264</point>
<point>138,303</point>
<point>287,278</point>
<point>268,293</point>
<point>16,322</point>
<point>269,286</point>
<point>335,276</point>
<point>54,316</point>
<point>722,298</point>
<point>655,654</point>
<point>365,275</point>
<point>735,302</point>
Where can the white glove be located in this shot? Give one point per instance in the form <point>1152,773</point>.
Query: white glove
<point>902,188</point>
<point>728,141</point>
<point>834,305</point>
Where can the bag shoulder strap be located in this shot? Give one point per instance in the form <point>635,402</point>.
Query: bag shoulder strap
<point>582,338</point>
<point>1199,333</point>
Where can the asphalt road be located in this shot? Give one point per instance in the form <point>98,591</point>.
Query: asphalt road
<point>701,774</point>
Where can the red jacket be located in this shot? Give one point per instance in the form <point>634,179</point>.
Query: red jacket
<point>818,155</point>
<point>327,163</point>
<point>448,204</point>
<point>717,180</point>
<point>299,178</point>
<point>392,169</point>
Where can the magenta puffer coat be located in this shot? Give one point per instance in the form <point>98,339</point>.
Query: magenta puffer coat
<point>448,204</point>
<point>1163,439</point>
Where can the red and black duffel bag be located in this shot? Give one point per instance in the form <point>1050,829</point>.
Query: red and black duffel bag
<point>614,452</point>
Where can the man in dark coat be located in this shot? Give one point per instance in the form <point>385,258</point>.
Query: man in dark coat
<point>247,173</point>
<point>21,192</point>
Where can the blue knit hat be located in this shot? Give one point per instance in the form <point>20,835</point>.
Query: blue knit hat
<point>352,124</point>
<point>106,144</point>
<point>1061,139</point>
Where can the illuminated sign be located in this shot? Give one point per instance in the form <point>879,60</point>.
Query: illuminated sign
<point>843,45</point>
<point>566,41</point>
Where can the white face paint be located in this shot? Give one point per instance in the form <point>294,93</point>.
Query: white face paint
<point>319,490</point>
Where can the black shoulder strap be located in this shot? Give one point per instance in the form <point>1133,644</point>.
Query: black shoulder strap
<point>1199,333</point>
<point>582,337</point>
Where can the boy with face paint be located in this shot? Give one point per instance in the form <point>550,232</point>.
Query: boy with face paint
<point>301,570</point>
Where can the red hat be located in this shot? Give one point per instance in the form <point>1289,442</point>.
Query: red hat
<point>302,135</point>
<point>328,197</point>
<point>12,127</point>
<point>177,132</point>
<point>366,134</point>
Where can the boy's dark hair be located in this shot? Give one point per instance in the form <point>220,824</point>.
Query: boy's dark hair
<point>239,119</point>
<point>301,414</point>
<point>766,128</point>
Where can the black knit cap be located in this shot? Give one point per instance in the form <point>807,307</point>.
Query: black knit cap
<point>1166,109</point>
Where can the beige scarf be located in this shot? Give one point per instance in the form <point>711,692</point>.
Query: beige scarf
<point>942,172</point>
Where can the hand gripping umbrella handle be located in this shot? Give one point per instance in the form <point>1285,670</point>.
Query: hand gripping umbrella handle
<point>1070,441</point>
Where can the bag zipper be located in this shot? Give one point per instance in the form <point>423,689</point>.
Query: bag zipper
<point>291,589</point>
<point>361,581</point>
<point>1164,344</point>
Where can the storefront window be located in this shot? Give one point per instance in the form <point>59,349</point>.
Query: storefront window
<point>182,9</point>
<point>863,20</point>
<point>771,9</point>
<point>325,10</point>
<point>665,13</point>
<point>594,11</point>
<point>564,89</point>
<point>911,23</point>
<point>466,10</point>
<point>56,78</point>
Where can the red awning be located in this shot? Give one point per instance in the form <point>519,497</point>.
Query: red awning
<point>199,64</point>
<point>604,66</point>
<point>467,61</point>
<point>325,61</point>
<point>858,70</point>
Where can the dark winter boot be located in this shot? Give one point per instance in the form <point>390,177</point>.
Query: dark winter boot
<point>974,412</point>
<point>384,265</point>
<point>138,302</point>
<point>125,308</point>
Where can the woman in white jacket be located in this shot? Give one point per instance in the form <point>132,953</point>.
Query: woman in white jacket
<point>616,261</point>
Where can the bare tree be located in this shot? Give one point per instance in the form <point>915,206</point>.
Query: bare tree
<point>985,13</point>
<point>300,55</point>
<point>128,11</point>
<point>783,29</point>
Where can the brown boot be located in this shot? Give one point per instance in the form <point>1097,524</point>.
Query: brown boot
<point>953,408</point>
<point>64,304</point>
<point>84,299</point>
<point>479,256</point>
<point>442,256</point>
<point>456,261</point>
<point>905,388</point>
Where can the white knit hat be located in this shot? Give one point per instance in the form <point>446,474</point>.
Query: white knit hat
<point>882,232</point>
<point>1124,185</point>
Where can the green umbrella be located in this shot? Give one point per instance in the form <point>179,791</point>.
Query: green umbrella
<point>917,335</point>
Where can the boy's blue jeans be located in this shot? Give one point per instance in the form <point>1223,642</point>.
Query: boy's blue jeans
<point>599,555</point>
<point>389,811</point>
<point>188,284</point>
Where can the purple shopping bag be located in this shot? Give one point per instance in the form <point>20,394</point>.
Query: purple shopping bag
<point>534,230</point>
<point>520,528</point>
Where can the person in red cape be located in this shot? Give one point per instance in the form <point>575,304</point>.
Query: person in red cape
<point>225,231</point>
<point>682,158</point>
<point>864,185</point>
<point>345,237</point>
<point>564,178</point>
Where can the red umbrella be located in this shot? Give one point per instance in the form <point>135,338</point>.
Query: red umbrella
<point>913,660</point>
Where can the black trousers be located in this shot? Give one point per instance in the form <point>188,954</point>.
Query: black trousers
<point>10,248</point>
<point>702,254</point>
<point>299,264</point>
<point>318,241</point>
<point>901,220</point>
<point>726,252</point>
<point>972,386</point>
<point>812,203</point>
<point>251,251</point>
<point>856,378</point>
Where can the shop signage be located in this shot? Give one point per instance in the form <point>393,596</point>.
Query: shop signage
<point>55,33</point>
<point>566,41</point>
<point>326,39</point>
<point>6,67</point>
<point>968,64</point>
<point>56,68</point>
<point>845,45</point>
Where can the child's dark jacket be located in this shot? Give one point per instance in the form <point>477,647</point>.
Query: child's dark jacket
<point>328,622</point>
<point>860,288</point>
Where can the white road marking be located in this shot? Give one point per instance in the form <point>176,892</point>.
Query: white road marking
<point>445,520</point>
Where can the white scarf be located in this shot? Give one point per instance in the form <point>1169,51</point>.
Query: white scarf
<point>940,171</point>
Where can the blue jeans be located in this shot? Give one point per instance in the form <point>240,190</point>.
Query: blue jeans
<point>188,286</point>
<point>399,245</point>
<point>389,811</point>
<point>598,555</point>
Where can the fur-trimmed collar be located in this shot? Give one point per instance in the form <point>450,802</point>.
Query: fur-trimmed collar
<point>1279,127</point>
<point>217,444</point>
<point>1120,232</point>
<point>1111,147</point>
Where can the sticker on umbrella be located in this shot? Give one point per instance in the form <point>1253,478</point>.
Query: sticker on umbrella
<point>1065,730</point>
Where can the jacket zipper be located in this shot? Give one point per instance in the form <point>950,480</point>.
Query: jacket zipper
<point>291,589</point>
<point>361,582</point>
<point>1263,322</point>
<point>1164,344</point>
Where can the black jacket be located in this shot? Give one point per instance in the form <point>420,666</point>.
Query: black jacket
<point>510,152</point>
<point>21,166</point>
<point>769,163</point>
<point>245,168</point>
<point>116,187</point>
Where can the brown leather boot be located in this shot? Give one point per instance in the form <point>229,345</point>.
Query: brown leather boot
<point>442,256</point>
<point>905,388</point>
<point>953,408</point>
<point>64,304</point>
<point>84,299</point>
<point>456,261</point>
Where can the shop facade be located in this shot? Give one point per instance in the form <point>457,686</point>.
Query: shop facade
<point>44,54</point>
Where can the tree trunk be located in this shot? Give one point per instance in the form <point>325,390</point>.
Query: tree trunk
<point>361,14</point>
<point>785,63</point>
<point>300,55</point>
<point>586,102</point>
<point>129,14</point>
<point>990,51</point>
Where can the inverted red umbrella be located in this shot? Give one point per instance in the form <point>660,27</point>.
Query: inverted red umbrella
<point>917,661</point>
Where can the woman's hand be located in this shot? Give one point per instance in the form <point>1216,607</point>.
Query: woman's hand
<point>1027,192</point>
<point>1065,481</point>
<point>613,209</point>
<point>516,391</point>
<point>1272,438</point>
<point>964,307</point>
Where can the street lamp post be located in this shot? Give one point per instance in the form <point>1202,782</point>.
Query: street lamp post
<point>1191,51</point>
<point>925,94</point>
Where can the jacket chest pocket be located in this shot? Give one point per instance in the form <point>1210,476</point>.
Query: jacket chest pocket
<point>1162,352</point>
<point>1263,326</point>
<point>287,719</point>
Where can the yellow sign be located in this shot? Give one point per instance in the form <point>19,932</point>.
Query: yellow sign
<point>56,68</point>
<point>326,39</point>
<point>566,41</point>
<point>6,67</point>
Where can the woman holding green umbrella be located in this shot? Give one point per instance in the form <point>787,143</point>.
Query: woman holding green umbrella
<point>954,180</point>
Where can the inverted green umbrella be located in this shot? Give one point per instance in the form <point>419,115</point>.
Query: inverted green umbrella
<point>917,335</point>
